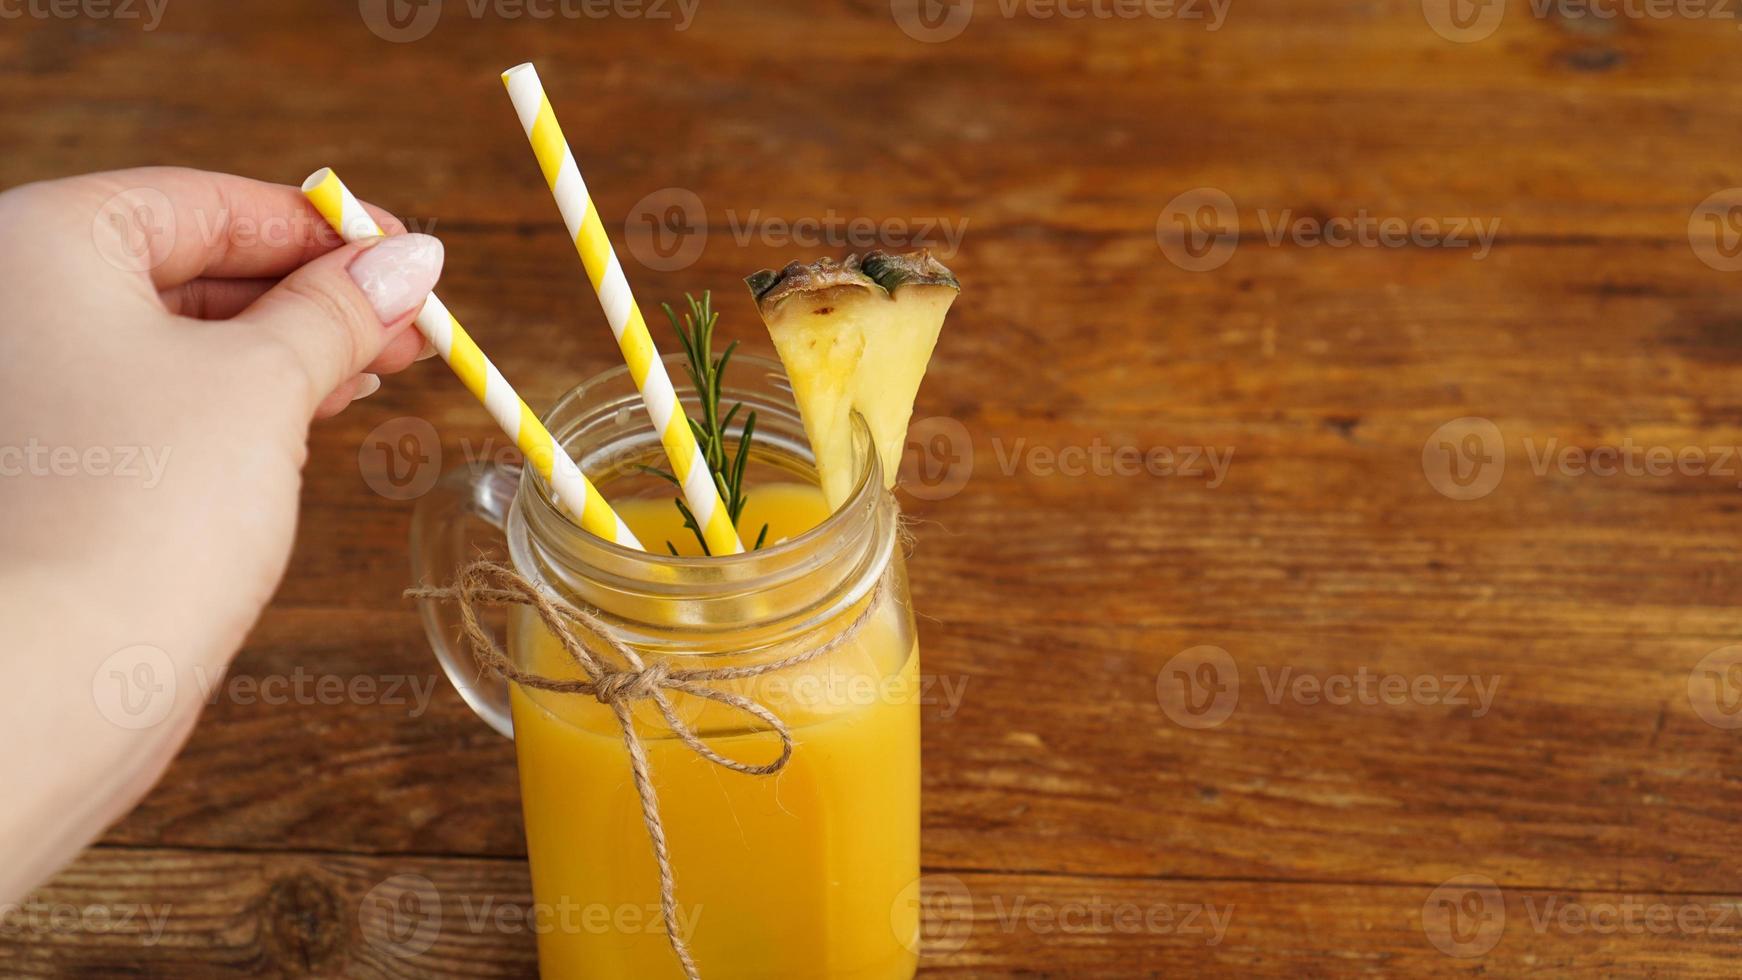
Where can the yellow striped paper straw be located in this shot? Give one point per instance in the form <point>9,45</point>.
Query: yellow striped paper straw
<point>573,490</point>
<point>587,230</point>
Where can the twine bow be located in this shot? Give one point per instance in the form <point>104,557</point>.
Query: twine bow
<point>620,684</point>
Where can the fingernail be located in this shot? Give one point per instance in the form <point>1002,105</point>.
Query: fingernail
<point>428,351</point>
<point>398,274</point>
<point>367,384</point>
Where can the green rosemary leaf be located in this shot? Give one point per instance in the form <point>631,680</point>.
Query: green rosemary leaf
<point>663,475</point>
<point>707,373</point>
<point>743,457</point>
<point>689,521</point>
<point>761,538</point>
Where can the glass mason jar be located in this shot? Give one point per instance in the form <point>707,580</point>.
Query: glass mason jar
<point>805,873</point>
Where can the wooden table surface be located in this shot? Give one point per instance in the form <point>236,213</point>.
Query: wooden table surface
<point>1468,697</point>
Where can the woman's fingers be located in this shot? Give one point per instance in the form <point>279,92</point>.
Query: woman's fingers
<point>338,313</point>
<point>177,225</point>
<point>361,386</point>
<point>214,299</point>
<point>400,352</point>
<point>221,299</point>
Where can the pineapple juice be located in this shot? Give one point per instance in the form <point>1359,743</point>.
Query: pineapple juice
<point>806,873</point>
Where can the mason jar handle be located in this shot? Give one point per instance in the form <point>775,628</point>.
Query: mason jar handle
<point>464,506</point>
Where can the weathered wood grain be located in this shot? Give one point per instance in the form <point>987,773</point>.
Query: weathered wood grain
<point>197,914</point>
<point>1056,781</point>
<point>1036,128</point>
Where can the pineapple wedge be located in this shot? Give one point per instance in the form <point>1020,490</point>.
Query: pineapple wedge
<point>898,346</point>
<point>813,313</point>
<point>856,336</point>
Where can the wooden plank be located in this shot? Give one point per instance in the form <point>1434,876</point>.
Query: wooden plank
<point>198,914</point>
<point>1315,106</point>
<point>1559,774</point>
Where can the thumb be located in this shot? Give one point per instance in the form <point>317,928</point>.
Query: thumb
<point>337,312</point>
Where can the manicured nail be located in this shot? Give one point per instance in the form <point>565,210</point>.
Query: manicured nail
<point>398,274</point>
<point>367,384</point>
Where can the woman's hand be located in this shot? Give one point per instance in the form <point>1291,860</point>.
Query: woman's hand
<point>166,336</point>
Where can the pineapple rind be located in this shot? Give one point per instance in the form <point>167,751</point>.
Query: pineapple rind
<point>912,269</point>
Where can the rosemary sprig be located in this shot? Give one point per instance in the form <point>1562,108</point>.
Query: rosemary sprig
<point>695,331</point>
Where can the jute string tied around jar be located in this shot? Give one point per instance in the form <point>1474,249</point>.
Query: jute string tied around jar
<point>617,685</point>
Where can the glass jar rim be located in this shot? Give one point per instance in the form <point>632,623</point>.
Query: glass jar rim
<point>865,483</point>
<point>814,573</point>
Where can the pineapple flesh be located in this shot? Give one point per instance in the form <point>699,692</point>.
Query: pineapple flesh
<point>855,336</point>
